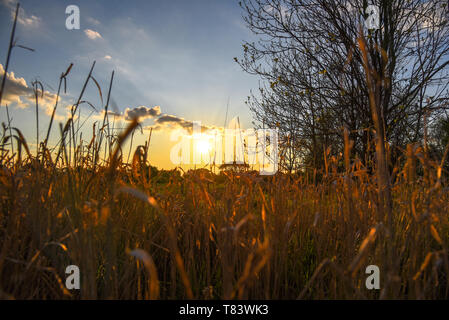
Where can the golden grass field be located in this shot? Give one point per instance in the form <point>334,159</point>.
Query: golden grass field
<point>214,236</point>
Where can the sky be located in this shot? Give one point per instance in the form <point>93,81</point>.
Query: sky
<point>173,63</point>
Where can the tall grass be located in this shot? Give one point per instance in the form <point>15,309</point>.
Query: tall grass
<point>139,233</point>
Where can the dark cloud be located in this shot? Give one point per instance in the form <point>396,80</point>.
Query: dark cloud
<point>142,112</point>
<point>171,122</point>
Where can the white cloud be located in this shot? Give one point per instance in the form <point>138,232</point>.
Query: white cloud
<point>91,34</point>
<point>93,21</point>
<point>18,93</point>
<point>23,18</point>
<point>15,89</point>
<point>276,9</point>
<point>29,21</point>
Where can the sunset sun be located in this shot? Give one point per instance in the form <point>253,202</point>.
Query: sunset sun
<point>203,146</point>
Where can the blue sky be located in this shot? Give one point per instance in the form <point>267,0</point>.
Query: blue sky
<point>174,54</point>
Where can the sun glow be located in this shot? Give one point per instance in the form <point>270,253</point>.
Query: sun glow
<point>203,146</point>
